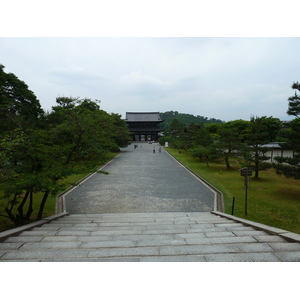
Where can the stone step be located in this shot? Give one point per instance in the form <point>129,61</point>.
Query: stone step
<point>148,237</point>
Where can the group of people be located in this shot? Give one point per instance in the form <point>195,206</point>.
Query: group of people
<point>135,146</point>
<point>159,149</point>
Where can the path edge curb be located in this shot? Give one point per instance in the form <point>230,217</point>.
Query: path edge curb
<point>290,236</point>
<point>60,199</point>
<point>16,231</point>
<point>219,205</point>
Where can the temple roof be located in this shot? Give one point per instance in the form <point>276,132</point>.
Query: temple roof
<point>143,117</point>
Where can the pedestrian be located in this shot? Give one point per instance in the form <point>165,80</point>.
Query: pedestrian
<point>153,149</point>
<point>159,149</point>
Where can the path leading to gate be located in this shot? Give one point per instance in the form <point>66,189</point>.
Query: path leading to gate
<point>141,181</point>
<point>149,208</point>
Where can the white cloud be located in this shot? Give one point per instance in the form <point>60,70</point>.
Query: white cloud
<point>225,78</point>
<point>137,77</point>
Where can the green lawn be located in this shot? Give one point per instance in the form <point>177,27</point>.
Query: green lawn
<point>272,200</point>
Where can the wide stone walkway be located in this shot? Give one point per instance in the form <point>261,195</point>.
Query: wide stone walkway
<point>141,181</point>
<point>178,235</point>
<point>148,237</point>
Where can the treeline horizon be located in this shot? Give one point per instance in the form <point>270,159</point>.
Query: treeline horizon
<point>240,140</point>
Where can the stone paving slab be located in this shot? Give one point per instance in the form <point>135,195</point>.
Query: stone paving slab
<point>285,247</point>
<point>174,258</point>
<point>212,238</point>
<point>41,254</point>
<point>242,257</point>
<point>289,256</point>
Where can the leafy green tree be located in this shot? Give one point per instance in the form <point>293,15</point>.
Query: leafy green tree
<point>290,166</point>
<point>119,131</point>
<point>241,126</point>
<point>19,107</point>
<point>213,127</point>
<point>257,137</point>
<point>198,135</point>
<point>21,114</point>
<point>227,143</point>
<point>175,129</point>
<point>34,160</point>
<point>203,153</point>
<point>272,127</point>
<point>174,134</point>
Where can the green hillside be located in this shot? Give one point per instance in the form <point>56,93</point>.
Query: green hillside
<point>185,119</point>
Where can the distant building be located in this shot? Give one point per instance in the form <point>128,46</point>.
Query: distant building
<point>143,126</point>
<point>276,149</point>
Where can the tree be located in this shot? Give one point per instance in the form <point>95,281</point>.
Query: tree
<point>198,135</point>
<point>257,137</point>
<point>290,166</point>
<point>201,153</point>
<point>272,127</point>
<point>174,134</point>
<point>294,102</point>
<point>227,142</point>
<point>175,129</point>
<point>35,159</point>
<point>21,114</point>
<point>19,107</point>
<point>119,131</point>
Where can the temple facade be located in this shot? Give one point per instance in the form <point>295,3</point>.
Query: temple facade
<point>143,126</point>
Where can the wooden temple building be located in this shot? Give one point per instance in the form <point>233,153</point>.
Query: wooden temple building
<point>143,126</point>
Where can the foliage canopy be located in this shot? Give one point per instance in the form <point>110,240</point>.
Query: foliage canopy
<point>38,149</point>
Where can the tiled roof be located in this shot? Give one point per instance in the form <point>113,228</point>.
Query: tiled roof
<point>143,117</point>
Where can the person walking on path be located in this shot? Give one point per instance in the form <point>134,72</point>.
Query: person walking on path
<point>159,149</point>
<point>153,149</point>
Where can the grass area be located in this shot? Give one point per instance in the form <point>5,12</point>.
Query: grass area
<point>50,205</point>
<point>272,199</point>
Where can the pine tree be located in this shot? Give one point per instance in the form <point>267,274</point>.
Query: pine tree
<point>294,102</point>
<point>290,166</point>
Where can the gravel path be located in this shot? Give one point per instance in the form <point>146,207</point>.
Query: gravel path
<point>141,181</point>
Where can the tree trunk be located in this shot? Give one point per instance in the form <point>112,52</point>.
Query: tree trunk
<point>11,216</point>
<point>9,211</point>
<point>256,171</point>
<point>20,216</point>
<point>30,209</point>
<point>206,158</point>
<point>227,162</point>
<point>40,214</point>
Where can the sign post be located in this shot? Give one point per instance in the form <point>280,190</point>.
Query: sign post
<point>246,172</point>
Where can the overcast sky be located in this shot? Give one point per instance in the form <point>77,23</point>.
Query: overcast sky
<point>226,78</point>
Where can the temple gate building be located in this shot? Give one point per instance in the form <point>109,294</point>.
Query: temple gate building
<point>143,126</point>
